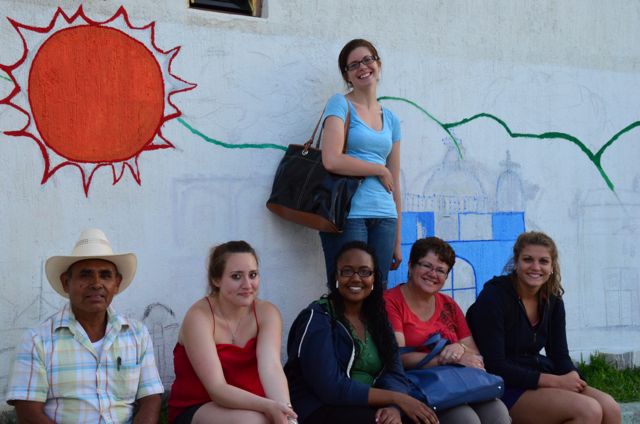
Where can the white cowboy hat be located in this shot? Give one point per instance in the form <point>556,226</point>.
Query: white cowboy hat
<point>92,244</point>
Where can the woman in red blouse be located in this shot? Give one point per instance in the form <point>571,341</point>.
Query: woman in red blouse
<point>417,310</point>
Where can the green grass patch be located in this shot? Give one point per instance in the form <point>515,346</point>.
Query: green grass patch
<point>623,385</point>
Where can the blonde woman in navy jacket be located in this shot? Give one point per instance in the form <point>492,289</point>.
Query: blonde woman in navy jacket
<point>343,364</point>
<point>513,319</point>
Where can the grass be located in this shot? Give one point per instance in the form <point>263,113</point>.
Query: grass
<point>623,385</point>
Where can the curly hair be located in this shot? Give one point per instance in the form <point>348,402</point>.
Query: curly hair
<point>552,286</point>
<point>373,312</point>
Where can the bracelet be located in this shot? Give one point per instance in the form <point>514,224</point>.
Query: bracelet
<point>464,348</point>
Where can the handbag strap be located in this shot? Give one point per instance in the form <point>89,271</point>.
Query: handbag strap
<point>436,340</point>
<point>347,121</point>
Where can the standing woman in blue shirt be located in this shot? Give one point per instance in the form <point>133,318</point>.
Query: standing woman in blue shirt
<point>373,152</point>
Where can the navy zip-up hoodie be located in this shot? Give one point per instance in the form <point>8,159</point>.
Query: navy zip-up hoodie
<point>320,353</point>
<point>509,344</point>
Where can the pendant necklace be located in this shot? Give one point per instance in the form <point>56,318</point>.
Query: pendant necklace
<point>233,332</point>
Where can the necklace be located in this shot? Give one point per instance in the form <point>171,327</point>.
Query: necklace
<point>233,332</point>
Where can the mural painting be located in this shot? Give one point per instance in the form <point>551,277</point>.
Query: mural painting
<point>95,94</point>
<point>116,86</point>
<point>480,225</point>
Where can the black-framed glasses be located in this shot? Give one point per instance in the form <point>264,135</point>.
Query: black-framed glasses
<point>367,60</point>
<point>441,273</point>
<point>363,272</point>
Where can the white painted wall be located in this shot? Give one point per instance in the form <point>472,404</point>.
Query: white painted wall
<point>566,66</point>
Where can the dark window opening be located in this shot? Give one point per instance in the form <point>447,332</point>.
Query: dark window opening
<point>240,7</point>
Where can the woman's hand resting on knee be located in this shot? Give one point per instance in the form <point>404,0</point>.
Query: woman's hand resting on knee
<point>280,413</point>
<point>570,381</point>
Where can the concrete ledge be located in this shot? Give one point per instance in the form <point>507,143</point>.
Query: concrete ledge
<point>630,414</point>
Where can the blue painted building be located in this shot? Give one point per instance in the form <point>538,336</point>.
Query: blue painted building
<point>480,227</point>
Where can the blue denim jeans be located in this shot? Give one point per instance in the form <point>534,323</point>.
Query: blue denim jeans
<point>378,233</point>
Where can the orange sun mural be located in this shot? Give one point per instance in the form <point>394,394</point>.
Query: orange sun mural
<point>95,94</point>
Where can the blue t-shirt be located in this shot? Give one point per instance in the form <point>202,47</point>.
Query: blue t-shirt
<point>371,200</point>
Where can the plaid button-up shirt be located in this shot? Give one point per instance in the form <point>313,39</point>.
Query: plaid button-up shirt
<point>57,364</point>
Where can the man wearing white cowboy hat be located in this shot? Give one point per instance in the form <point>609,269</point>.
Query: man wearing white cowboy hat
<point>87,363</point>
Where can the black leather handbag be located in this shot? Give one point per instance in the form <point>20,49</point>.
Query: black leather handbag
<point>306,193</point>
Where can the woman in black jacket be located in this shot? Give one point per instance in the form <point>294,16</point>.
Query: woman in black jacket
<point>343,365</point>
<point>517,315</point>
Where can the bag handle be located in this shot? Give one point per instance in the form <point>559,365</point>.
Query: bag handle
<point>347,121</point>
<point>436,340</point>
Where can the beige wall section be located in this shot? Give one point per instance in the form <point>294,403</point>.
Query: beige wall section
<point>566,66</point>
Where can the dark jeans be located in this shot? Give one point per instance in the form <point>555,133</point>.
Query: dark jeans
<point>378,233</point>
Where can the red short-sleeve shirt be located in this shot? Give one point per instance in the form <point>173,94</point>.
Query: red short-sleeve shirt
<point>447,319</point>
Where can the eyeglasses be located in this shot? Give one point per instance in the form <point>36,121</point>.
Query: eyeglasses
<point>350,272</point>
<point>367,60</point>
<point>441,273</point>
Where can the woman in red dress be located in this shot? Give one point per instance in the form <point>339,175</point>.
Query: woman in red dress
<point>227,359</point>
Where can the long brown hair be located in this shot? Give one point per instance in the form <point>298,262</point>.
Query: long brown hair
<point>537,238</point>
